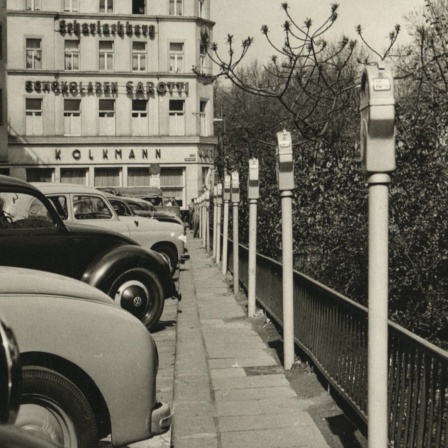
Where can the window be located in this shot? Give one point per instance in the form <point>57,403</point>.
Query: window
<point>72,117</point>
<point>203,118</point>
<point>90,207</point>
<point>34,53</point>
<point>201,7</point>
<point>175,7</point>
<point>138,177</point>
<point>172,183</point>
<point>176,57</point>
<point>177,117</point>
<point>71,5</point>
<point>140,117</point>
<point>74,176</point>
<point>107,177</point>
<point>107,6</point>
<point>106,55</point>
<point>71,55</point>
<point>39,174</point>
<point>138,6</point>
<point>33,5</point>
<point>33,112</point>
<point>107,117</point>
<point>202,54</point>
<point>138,56</point>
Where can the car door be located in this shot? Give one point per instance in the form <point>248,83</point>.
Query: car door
<point>31,236</point>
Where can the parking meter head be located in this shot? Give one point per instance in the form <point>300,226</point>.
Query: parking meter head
<point>235,186</point>
<point>226,193</point>
<point>377,108</point>
<point>219,194</point>
<point>285,162</point>
<point>253,181</point>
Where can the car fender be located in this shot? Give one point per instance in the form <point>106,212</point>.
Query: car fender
<point>104,269</point>
<point>113,348</point>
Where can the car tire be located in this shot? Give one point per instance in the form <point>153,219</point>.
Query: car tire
<point>171,254</point>
<point>53,407</point>
<point>140,292</point>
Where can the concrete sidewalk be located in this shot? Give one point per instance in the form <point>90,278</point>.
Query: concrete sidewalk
<point>217,402</point>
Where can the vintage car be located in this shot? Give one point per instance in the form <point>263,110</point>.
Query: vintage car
<point>88,367</point>
<point>129,206</point>
<point>87,205</point>
<point>32,235</point>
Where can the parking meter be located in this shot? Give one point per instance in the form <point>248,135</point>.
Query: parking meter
<point>227,187</point>
<point>285,163</point>
<point>207,198</point>
<point>253,182</point>
<point>219,194</point>
<point>377,107</point>
<point>235,186</point>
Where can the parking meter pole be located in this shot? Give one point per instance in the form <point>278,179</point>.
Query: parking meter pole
<point>378,310</point>
<point>226,197</point>
<point>200,217</point>
<point>287,280</point>
<point>236,262</point>
<point>218,234</point>
<point>215,207</point>
<point>204,223</point>
<point>253,203</point>
<point>253,193</point>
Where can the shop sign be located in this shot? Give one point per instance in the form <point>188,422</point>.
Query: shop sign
<point>92,88</point>
<point>118,154</point>
<point>106,29</point>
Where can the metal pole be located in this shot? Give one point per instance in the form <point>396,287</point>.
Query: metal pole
<point>378,310</point>
<point>204,224</point>
<point>225,236</point>
<point>252,257</point>
<point>288,280</point>
<point>200,219</point>
<point>236,269</point>
<point>215,212</point>
<point>218,236</point>
<point>207,226</point>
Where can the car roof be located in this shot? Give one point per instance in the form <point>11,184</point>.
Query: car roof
<point>51,187</point>
<point>16,281</point>
<point>13,181</point>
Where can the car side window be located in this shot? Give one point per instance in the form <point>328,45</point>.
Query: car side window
<point>120,208</point>
<point>60,204</point>
<point>90,207</point>
<point>24,211</point>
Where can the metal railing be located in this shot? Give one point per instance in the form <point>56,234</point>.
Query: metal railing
<point>332,330</point>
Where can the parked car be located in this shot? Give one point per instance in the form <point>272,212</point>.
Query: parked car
<point>87,205</point>
<point>12,436</point>
<point>88,368</point>
<point>128,206</point>
<point>32,235</point>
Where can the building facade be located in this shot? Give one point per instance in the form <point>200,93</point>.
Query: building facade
<point>3,90</point>
<point>103,92</point>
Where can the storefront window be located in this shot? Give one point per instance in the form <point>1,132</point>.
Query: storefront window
<point>34,54</point>
<point>140,117</point>
<point>107,117</point>
<point>39,174</point>
<point>172,183</point>
<point>177,117</point>
<point>74,176</point>
<point>33,112</point>
<point>107,177</point>
<point>138,177</point>
<point>72,117</point>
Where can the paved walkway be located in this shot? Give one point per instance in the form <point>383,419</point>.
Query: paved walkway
<point>217,403</point>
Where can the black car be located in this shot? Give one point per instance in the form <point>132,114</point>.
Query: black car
<point>32,235</point>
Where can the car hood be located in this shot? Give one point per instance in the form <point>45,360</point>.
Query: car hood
<point>148,224</point>
<point>18,281</point>
<point>90,231</point>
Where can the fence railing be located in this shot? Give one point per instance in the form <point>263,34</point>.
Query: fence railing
<point>332,330</point>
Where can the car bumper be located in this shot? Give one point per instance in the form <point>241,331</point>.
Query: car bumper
<point>160,419</point>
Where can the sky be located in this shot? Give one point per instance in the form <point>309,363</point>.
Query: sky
<point>243,18</point>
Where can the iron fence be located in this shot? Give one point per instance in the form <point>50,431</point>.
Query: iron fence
<point>332,330</point>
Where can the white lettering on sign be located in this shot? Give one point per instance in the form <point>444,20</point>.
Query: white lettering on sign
<point>381,84</point>
<point>284,144</point>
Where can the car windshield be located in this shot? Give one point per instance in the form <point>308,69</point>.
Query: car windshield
<point>90,207</point>
<point>24,211</point>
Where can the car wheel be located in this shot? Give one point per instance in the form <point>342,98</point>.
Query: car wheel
<point>55,409</point>
<point>171,254</point>
<point>140,292</point>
